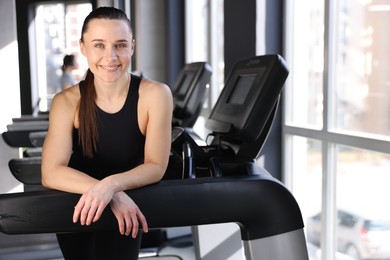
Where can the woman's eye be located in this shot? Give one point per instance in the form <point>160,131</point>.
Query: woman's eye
<point>121,46</point>
<point>99,45</point>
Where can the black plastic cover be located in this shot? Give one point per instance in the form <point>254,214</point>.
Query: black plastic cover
<point>259,204</point>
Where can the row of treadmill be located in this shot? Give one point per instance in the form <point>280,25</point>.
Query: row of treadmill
<point>207,181</point>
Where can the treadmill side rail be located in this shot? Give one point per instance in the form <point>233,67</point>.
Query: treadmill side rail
<point>245,200</point>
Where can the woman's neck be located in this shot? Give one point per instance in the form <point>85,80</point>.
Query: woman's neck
<point>110,91</point>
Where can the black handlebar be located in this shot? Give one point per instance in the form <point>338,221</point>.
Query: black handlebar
<point>259,204</point>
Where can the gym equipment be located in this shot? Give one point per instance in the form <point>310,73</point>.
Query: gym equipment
<point>240,120</point>
<point>245,200</point>
<point>189,93</point>
<point>29,118</point>
<point>18,133</point>
<point>218,183</point>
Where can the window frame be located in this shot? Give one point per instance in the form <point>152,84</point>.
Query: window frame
<point>327,135</point>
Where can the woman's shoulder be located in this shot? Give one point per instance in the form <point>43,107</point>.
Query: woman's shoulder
<point>152,88</point>
<point>68,98</point>
<point>155,96</point>
<point>63,110</point>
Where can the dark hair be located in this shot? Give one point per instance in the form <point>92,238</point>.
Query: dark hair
<point>68,61</point>
<point>88,121</point>
<point>105,12</point>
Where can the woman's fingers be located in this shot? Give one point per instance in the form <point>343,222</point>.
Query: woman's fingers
<point>90,214</point>
<point>91,205</point>
<point>78,208</point>
<point>129,224</point>
<point>128,214</point>
<point>99,212</point>
<point>88,211</point>
<point>121,225</point>
<point>135,223</point>
<point>142,219</point>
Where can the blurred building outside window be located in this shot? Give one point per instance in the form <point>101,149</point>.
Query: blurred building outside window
<point>336,114</point>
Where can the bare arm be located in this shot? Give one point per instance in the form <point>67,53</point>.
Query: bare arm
<point>58,147</point>
<point>156,102</point>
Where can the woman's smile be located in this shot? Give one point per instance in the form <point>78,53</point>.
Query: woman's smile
<point>110,68</point>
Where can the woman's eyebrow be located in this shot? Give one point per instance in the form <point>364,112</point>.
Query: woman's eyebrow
<point>101,40</point>
<point>122,40</point>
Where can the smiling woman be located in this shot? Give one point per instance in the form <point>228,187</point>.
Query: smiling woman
<point>107,134</point>
<point>102,42</point>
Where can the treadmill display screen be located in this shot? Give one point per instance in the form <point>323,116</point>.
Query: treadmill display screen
<point>242,87</point>
<point>185,83</point>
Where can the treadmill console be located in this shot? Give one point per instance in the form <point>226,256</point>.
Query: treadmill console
<point>239,122</point>
<point>189,93</point>
<point>250,93</point>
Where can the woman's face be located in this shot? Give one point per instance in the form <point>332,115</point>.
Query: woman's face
<point>108,46</point>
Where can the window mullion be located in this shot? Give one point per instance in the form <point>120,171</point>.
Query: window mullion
<point>328,238</point>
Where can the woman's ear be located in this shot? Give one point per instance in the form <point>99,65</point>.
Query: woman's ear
<point>82,47</point>
<point>132,46</point>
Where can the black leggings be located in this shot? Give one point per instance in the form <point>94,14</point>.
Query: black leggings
<point>99,245</point>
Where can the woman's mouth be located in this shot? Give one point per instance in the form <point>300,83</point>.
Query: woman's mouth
<point>110,68</point>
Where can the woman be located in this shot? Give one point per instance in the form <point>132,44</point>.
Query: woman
<point>107,134</point>
<point>69,64</point>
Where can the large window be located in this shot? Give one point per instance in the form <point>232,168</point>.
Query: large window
<point>205,42</point>
<point>337,123</point>
<point>55,33</point>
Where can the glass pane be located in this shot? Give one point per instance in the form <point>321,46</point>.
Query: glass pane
<point>205,42</point>
<point>304,91</point>
<point>362,89</point>
<point>363,178</point>
<point>306,161</point>
<point>56,34</point>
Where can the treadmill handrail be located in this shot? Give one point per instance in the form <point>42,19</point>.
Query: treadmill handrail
<point>29,126</point>
<point>245,200</point>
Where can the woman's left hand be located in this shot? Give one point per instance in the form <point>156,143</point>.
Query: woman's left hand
<point>128,214</point>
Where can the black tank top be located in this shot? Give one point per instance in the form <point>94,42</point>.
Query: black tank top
<point>121,144</point>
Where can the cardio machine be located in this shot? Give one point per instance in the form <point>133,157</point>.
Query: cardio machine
<point>218,183</point>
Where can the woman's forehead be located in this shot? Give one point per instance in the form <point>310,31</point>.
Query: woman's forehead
<point>108,29</point>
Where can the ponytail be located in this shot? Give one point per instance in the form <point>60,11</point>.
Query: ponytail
<point>88,126</point>
<point>88,121</point>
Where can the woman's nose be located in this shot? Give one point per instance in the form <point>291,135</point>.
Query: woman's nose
<point>111,52</point>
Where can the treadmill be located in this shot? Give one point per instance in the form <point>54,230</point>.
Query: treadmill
<point>217,183</point>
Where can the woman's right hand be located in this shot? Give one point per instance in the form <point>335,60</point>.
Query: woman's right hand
<point>128,214</point>
<point>92,203</point>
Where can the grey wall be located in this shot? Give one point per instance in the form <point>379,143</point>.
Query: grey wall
<point>159,39</point>
<point>150,38</point>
